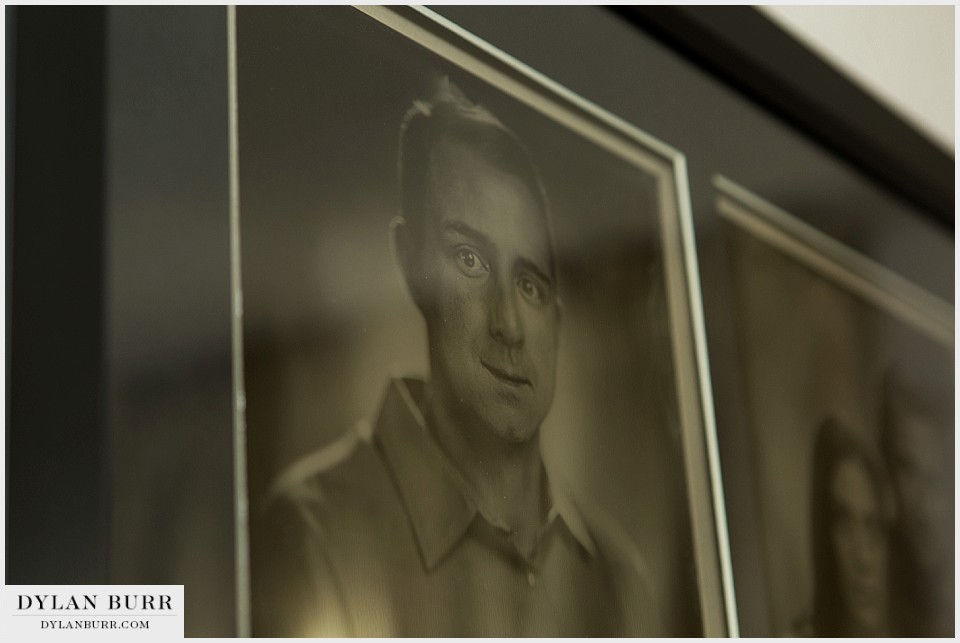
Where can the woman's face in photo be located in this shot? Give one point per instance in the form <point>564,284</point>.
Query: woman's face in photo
<point>859,542</point>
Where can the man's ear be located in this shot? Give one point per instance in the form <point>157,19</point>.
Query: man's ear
<point>404,252</point>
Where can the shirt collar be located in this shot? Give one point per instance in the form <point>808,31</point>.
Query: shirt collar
<point>431,488</point>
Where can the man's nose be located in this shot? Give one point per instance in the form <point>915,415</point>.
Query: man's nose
<point>505,323</point>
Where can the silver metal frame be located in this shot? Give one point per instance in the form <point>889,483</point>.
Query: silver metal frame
<point>668,166</point>
<point>241,537</point>
<point>836,262</point>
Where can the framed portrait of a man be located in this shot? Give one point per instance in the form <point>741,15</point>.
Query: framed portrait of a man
<point>473,370</point>
<point>848,380</point>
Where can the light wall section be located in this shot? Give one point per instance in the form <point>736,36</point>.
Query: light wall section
<point>903,55</point>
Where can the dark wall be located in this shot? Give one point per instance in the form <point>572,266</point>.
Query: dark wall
<point>56,482</point>
<point>119,427</point>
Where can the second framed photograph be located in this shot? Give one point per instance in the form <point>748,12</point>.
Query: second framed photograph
<point>472,355</point>
<point>848,380</point>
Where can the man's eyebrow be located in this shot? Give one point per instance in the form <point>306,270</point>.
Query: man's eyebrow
<point>465,230</point>
<point>528,264</point>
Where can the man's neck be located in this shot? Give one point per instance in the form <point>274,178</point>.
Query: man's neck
<point>506,479</point>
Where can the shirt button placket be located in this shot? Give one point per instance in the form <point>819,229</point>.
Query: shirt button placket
<point>531,578</point>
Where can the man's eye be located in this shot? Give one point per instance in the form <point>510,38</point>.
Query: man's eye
<point>530,289</point>
<point>470,262</point>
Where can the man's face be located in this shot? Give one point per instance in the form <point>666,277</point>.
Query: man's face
<point>488,295</point>
<point>859,544</point>
<point>923,487</point>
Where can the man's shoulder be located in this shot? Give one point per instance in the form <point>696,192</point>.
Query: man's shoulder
<point>613,543</point>
<point>315,538</point>
<point>624,563</point>
<point>326,487</point>
<point>598,529</point>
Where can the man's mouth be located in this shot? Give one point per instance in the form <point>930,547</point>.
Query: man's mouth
<point>507,377</point>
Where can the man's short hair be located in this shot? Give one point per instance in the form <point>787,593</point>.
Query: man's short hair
<point>449,116</point>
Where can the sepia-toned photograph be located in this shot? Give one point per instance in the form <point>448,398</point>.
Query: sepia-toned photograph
<point>470,379</point>
<point>848,379</point>
<point>548,321</point>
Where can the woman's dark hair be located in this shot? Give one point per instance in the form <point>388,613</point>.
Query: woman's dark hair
<point>835,444</point>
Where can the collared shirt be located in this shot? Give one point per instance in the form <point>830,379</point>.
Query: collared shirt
<point>377,535</point>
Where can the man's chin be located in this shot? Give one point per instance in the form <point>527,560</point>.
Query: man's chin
<point>520,436</point>
<point>513,432</point>
<point>511,417</point>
